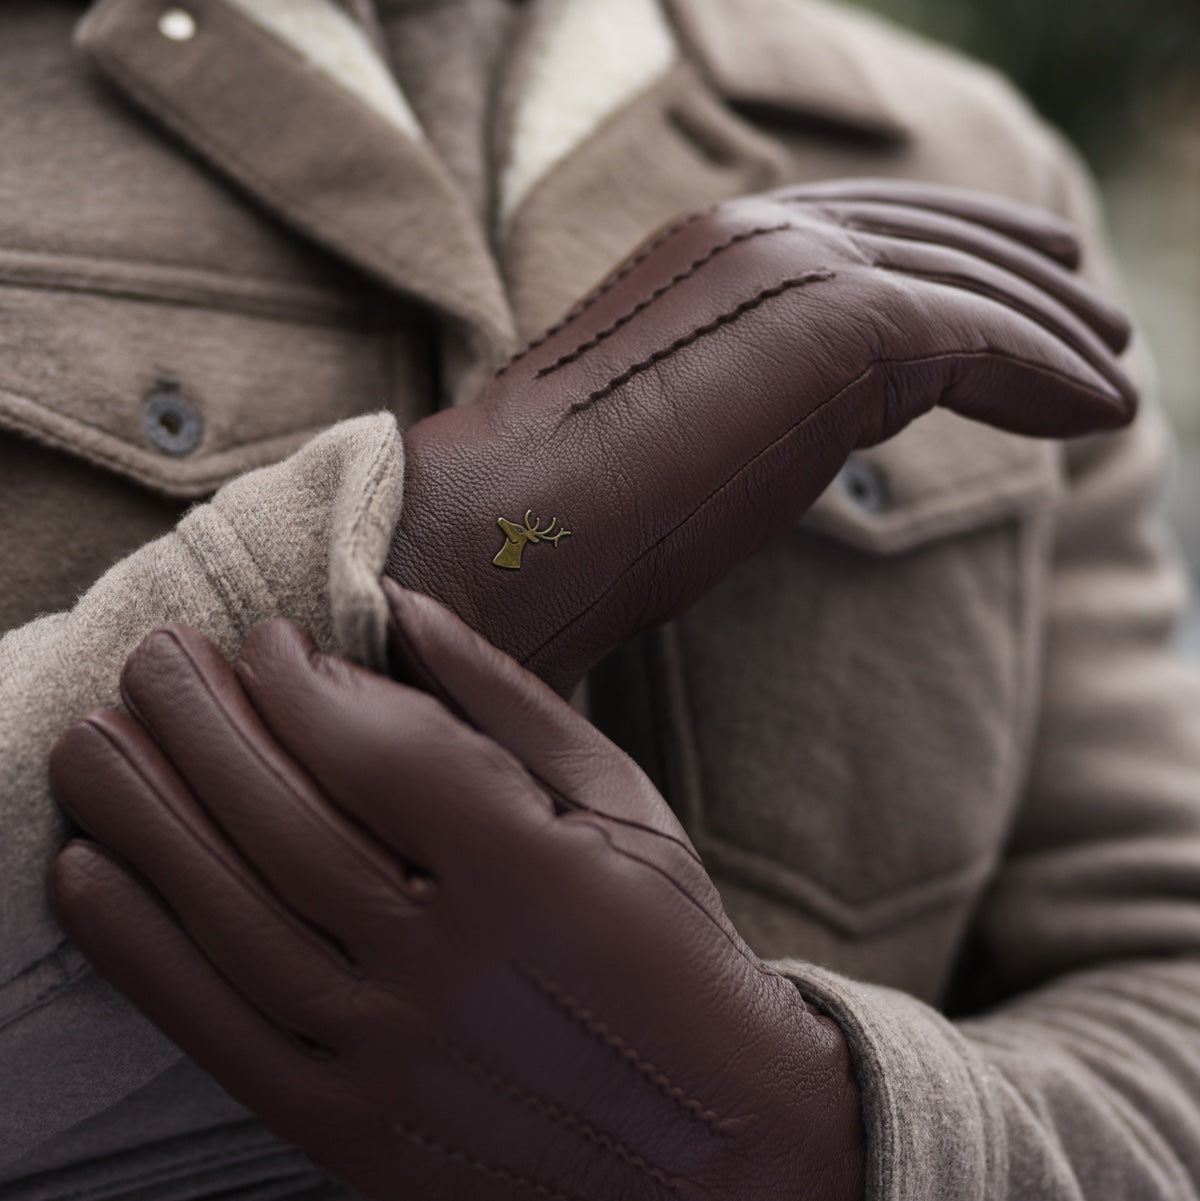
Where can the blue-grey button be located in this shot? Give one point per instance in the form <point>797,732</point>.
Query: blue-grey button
<point>170,422</point>
<point>864,486</point>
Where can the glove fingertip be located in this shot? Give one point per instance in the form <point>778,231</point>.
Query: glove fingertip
<point>1060,242</point>
<point>273,648</point>
<point>432,649</point>
<point>1117,331</point>
<point>414,620</point>
<point>162,656</point>
<point>75,757</point>
<point>79,876</point>
<point>279,635</point>
<point>281,664</point>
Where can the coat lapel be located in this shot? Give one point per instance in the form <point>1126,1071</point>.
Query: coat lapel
<point>290,101</point>
<point>821,66</point>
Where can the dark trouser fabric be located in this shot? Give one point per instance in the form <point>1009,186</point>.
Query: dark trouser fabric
<point>180,1138</point>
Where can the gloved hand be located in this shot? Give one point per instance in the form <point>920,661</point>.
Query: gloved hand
<point>452,948</point>
<point>695,405</point>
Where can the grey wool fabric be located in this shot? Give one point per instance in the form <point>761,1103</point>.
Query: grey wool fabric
<point>933,745</point>
<point>325,514</point>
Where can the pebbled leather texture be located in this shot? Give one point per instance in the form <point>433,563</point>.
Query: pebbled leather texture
<point>451,947</point>
<point>697,402</point>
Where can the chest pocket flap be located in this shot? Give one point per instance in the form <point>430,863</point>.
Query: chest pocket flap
<point>941,476</point>
<point>177,378</point>
<point>841,723</point>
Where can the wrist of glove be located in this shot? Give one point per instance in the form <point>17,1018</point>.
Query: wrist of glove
<point>699,400</point>
<point>451,944</point>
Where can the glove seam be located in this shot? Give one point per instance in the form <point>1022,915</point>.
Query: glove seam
<point>556,1113</point>
<point>430,1144</point>
<point>818,275</point>
<point>681,277</point>
<point>585,1017</point>
<point>603,288</point>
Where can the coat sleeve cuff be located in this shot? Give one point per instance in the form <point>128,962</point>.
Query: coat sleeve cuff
<point>928,1130</point>
<point>308,538</point>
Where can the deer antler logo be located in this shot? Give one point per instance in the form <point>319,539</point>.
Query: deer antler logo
<point>515,537</point>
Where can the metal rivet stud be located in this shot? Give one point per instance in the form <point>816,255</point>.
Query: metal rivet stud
<point>864,486</point>
<point>177,24</point>
<point>170,423</point>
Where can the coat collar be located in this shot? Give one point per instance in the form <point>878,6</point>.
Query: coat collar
<point>815,63</point>
<point>291,100</point>
<point>288,100</point>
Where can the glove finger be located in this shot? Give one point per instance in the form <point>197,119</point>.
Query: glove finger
<point>135,944</point>
<point>921,226</point>
<point>496,695</point>
<point>1011,373</point>
<point>393,757</point>
<point>966,273</point>
<point>325,867</point>
<point>1037,228</point>
<point>602,791</point>
<point>111,778</point>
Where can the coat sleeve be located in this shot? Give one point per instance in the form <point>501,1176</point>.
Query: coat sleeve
<point>1077,1074</point>
<point>307,539</point>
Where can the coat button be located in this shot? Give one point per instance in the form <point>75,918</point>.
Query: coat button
<point>170,422</point>
<point>863,485</point>
<point>177,24</point>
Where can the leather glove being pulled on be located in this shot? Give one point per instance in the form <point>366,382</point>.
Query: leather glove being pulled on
<point>695,404</point>
<point>452,945</point>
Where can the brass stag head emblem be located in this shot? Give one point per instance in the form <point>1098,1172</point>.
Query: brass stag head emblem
<point>516,536</point>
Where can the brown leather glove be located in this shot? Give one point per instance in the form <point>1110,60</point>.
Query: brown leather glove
<point>452,948</point>
<point>696,404</point>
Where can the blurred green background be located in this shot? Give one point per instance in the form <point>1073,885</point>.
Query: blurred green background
<point>1100,69</point>
<point>1122,79</point>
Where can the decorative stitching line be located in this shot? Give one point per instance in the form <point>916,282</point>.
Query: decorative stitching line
<point>453,1153</point>
<point>658,292</point>
<point>699,332</point>
<point>603,288</point>
<point>582,1015</point>
<point>557,1113</point>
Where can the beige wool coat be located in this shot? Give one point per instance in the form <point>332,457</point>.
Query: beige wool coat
<point>933,745</point>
